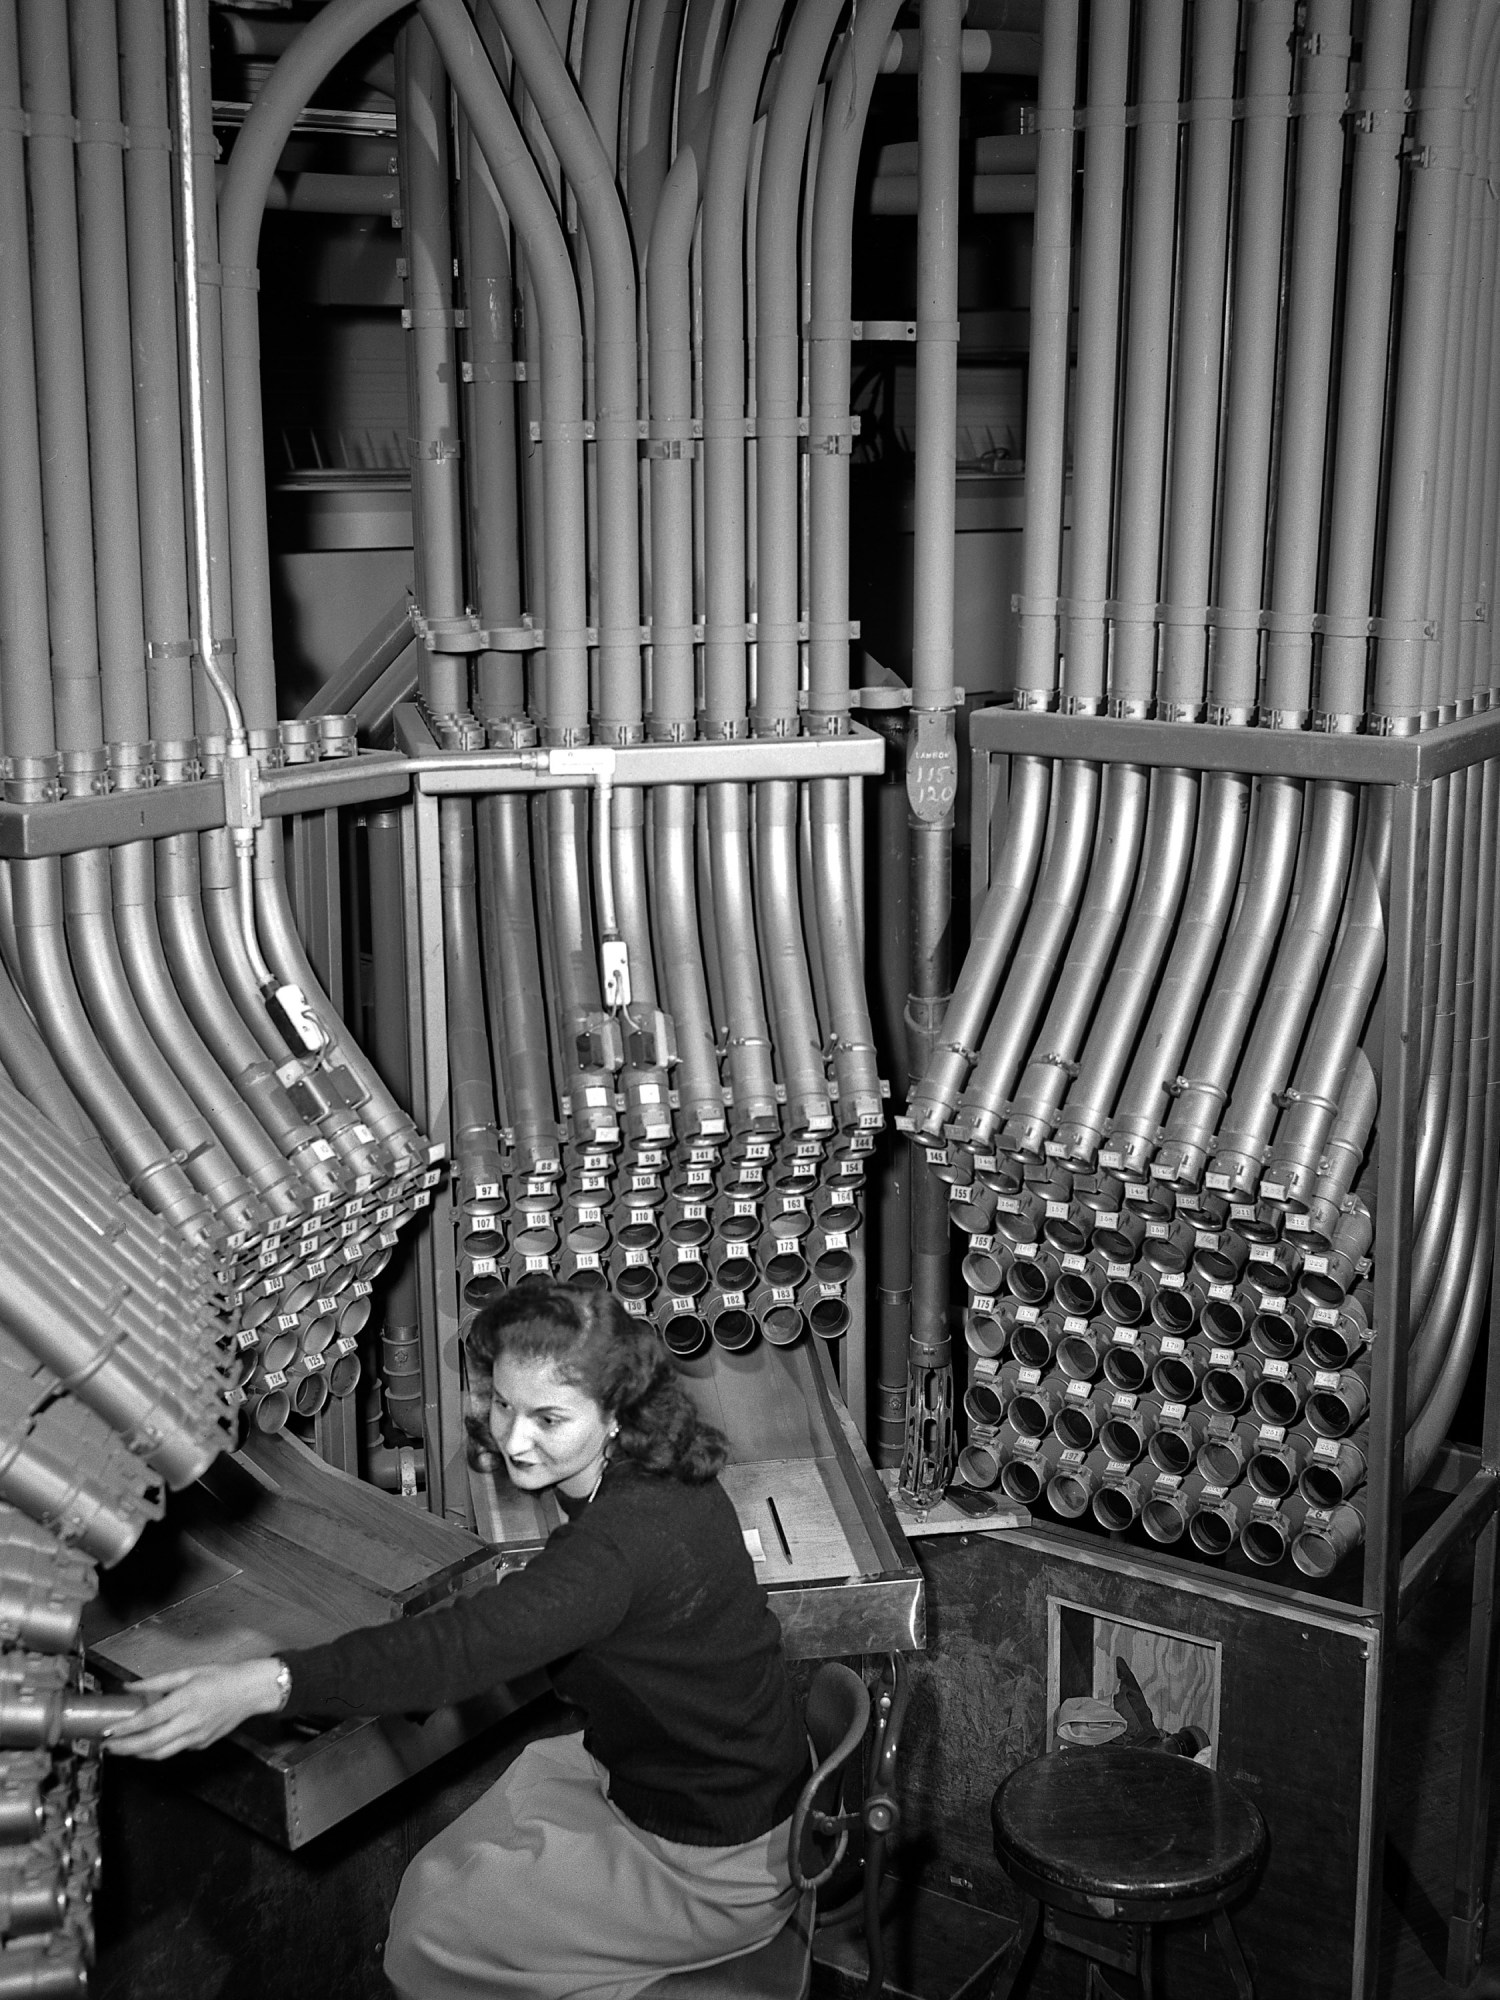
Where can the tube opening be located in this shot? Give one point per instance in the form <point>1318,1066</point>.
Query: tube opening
<point>1125,1368</point>
<point>984,1405</point>
<point>1078,1357</point>
<point>1219,1462</point>
<point>1067,1495</point>
<point>1173,1313</point>
<point>982,1273</point>
<point>1224,1389</point>
<point>344,1375</point>
<point>782,1326</point>
<point>1075,1296</point>
<point>984,1335</point>
<point>1026,1284</point>
<point>1073,1426</point>
<point>1030,1343</point>
<point>1162,1520</point>
<point>1211,1533</point>
<point>1270,1475</point>
<point>1314,1554</point>
<point>1275,1401</point>
<point>1172,1452</point>
<point>1021,1481</point>
<point>685,1334</point>
<point>1223,1322</point>
<point>271,1412</point>
<point>1174,1379</point>
<point>1028,1415</point>
<point>1263,1542</point>
<point>1328,1414</point>
<point>1123,1302</point>
<point>733,1329</point>
<point>829,1319</point>
<point>1114,1509</point>
<point>1121,1439</point>
<point>978,1466</point>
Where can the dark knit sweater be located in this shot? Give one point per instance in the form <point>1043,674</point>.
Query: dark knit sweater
<point>646,1610</point>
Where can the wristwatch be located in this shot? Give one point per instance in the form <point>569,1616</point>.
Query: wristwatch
<point>283,1685</point>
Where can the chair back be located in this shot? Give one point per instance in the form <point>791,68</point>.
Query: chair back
<point>838,1714</point>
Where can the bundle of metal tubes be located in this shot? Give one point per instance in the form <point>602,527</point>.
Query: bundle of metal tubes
<point>49,1719</point>
<point>157,1007</point>
<point>1155,1089</point>
<point>661,1070</point>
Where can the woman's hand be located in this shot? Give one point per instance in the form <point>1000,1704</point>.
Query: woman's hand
<point>195,1706</point>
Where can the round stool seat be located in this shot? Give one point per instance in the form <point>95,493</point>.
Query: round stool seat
<point>1133,1836</point>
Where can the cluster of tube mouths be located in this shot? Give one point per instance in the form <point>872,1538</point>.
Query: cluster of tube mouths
<point>1284,517</point>
<point>49,1838</point>
<point>678,1086</point>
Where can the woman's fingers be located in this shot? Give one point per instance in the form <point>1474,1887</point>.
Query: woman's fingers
<point>146,1719</point>
<point>161,1683</point>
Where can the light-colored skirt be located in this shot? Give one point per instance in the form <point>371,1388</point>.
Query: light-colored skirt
<point>544,1890</point>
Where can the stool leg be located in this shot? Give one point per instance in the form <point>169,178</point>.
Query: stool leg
<point>1234,1958</point>
<point>1013,1961</point>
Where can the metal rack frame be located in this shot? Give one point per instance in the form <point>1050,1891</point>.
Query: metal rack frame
<point>1391,1584</point>
<point>858,755</point>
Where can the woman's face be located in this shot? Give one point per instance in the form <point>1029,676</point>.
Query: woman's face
<point>550,1432</point>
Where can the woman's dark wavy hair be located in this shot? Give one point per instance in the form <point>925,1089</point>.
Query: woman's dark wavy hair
<point>612,1356</point>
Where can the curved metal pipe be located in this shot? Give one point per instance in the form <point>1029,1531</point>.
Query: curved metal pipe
<point>855,1063</point>
<point>238,1129</point>
<point>589,169</point>
<point>831,278</point>
<point>1266,883</point>
<point>1267,1061</point>
<point>476,1146</point>
<point>1049,921</point>
<point>217,1018</point>
<point>778,357</point>
<point>681,960</point>
<point>378,1110</point>
<point>934,1097</point>
<point>724,374</point>
<point>1122,819</point>
<point>139,1153</point>
<point>95,952</point>
<point>651,90</point>
<point>794,1018</point>
<point>34,1071</point>
<point>748,1055</point>
<point>1319,1081</point>
<point>1170,824</point>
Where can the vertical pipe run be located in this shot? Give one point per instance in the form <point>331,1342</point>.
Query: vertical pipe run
<point>932,759</point>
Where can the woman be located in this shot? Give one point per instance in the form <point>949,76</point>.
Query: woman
<point>655,1840</point>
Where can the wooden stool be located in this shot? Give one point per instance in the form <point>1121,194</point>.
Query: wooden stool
<point>1112,1843</point>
